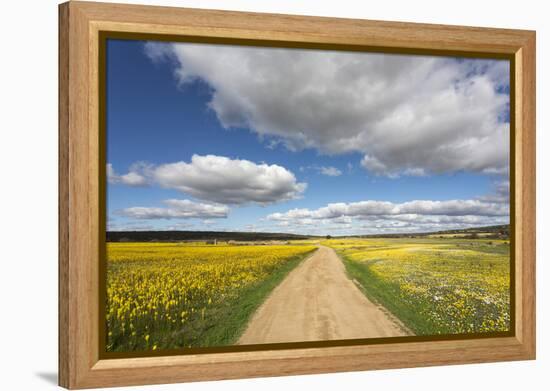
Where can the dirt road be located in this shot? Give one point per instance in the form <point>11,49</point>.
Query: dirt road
<point>315,302</point>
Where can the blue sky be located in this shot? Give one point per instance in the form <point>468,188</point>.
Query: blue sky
<point>203,137</point>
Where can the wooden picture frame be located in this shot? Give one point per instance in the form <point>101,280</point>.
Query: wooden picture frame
<point>80,171</point>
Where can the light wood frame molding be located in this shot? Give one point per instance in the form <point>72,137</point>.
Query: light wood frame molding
<point>80,23</point>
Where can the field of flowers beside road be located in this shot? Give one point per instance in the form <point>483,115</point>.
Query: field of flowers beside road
<point>434,286</point>
<point>173,295</point>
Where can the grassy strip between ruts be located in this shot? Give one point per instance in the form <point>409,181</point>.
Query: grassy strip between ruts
<point>223,324</point>
<point>387,295</point>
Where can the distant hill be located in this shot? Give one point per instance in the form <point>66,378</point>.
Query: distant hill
<point>497,229</point>
<point>493,231</point>
<point>178,236</point>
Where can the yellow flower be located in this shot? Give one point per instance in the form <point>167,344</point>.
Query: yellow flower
<point>456,285</point>
<point>152,285</point>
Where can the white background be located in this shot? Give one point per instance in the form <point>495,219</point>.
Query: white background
<point>28,195</point>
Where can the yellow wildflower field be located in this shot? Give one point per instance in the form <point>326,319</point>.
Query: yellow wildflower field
<point>173,295</point>
<point>435,286</point>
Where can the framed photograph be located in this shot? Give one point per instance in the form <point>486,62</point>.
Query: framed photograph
<point>247,195</point>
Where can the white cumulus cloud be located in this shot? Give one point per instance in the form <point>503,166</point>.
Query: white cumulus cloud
<point>218,179</point>
<point>134,177</point>
<point>229,181</point>
<point>418,211</point>
<point>323,170</point>
<point>176,209</point>
<point>407,115</point>
<point>330,171</point>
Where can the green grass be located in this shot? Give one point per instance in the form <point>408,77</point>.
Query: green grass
<point>434,286</point>
<point>224,323</point>
<point>388,295</point>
